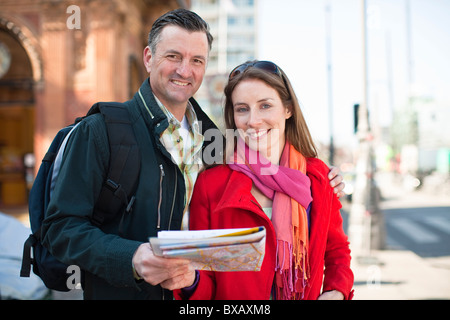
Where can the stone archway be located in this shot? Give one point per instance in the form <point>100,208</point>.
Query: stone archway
<point>17,114</point>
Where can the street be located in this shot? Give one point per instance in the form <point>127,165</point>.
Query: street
<point>425,230</point>
<point>415,263</point>
<point>415,220</point>
<point>422,230</point>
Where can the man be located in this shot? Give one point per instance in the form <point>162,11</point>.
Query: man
<point>166,121</point>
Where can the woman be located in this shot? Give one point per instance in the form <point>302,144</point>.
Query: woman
<point>274,179</point>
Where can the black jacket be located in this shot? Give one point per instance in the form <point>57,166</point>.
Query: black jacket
<point>103,255</point>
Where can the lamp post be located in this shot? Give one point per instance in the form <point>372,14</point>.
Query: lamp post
<point>366,226</point>
<point>330,82</point>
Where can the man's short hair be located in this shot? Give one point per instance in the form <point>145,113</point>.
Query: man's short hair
<point>183,18</point>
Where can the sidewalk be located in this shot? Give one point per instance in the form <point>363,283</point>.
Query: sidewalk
<point>399,274</point>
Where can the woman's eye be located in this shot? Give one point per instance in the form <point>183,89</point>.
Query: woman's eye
<point>240,109</point>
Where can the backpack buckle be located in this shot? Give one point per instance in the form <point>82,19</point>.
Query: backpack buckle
<point>112,185</point>
<point>130,204</point>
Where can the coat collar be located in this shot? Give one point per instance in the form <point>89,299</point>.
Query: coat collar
<point>237,193</point>
<point>149,109</point>
<point>157,121</point>
<point>238,185</point>
<point>154,116</point>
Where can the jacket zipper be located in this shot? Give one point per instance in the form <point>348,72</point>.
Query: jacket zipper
<point>158,225</point>
<point>174,197</point>
<point>171,210</point>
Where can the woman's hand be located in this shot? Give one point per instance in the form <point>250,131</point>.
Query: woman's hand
<point>331,295</point>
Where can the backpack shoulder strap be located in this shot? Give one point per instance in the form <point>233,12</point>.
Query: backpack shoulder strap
<point>117,194</point>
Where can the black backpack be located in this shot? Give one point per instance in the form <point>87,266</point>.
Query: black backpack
<point>116,196</point>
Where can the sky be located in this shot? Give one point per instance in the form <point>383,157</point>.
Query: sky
<point>293,34</point>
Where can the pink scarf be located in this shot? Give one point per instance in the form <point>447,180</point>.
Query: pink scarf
<point>289,188</point>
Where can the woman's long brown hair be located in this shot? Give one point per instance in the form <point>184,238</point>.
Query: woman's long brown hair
<point>297,132</point>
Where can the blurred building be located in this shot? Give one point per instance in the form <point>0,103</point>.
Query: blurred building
<point>233,25</point>
<point>433,137</point>
<point>57,58</point>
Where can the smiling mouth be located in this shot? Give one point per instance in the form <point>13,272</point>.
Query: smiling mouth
<point>258,134</point>
<point>179,83</point>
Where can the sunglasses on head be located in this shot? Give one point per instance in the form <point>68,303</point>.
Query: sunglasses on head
<point>262,65</point>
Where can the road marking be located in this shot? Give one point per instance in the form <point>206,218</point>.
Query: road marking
<point>414,231</point>
<point>440,223</point>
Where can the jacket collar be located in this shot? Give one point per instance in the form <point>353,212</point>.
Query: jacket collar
<point>237,193</point>
<point>156,118</point>
<point>206,122</point>
<point>239,185</point>
<point>149,109</point>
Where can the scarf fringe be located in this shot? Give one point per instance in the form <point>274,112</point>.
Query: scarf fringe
<point>291,271</point>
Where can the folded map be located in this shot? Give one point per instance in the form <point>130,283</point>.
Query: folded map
<point>215,250</point>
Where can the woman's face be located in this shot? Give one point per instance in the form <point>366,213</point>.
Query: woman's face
<point>260,117</point>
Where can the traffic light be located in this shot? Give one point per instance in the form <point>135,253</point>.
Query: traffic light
<point>355,116</point>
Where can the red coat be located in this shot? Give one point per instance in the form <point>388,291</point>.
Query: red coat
<point>222,199</point>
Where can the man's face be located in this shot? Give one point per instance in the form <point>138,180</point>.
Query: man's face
<point>177,67</point>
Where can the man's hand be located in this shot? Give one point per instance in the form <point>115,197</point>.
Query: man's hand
<point>171,274</point>
<point>336,181</point>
